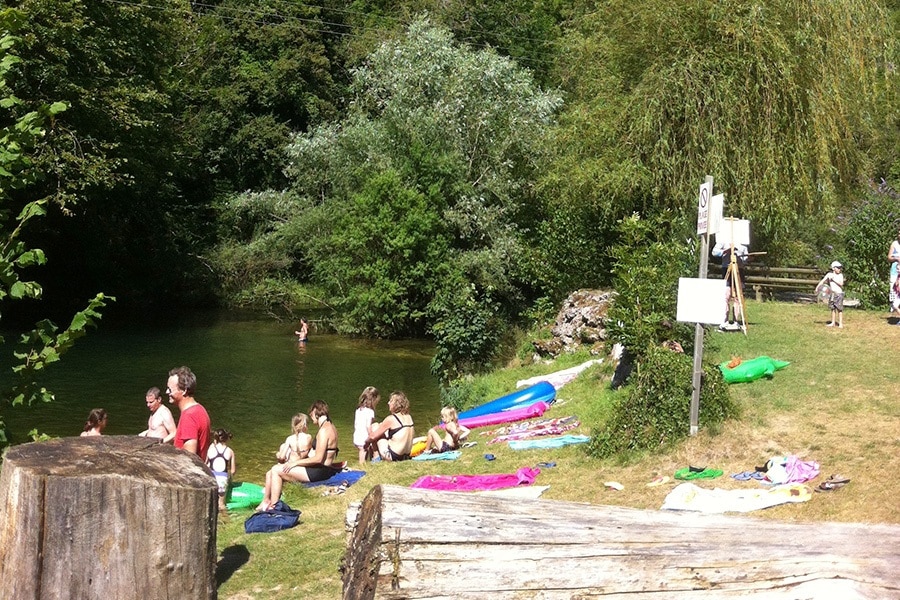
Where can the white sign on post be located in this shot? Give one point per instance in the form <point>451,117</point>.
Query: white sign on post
<point>703,207</point>
<point>733,231</point>
<point>700,301</point>
<point>716,205</point>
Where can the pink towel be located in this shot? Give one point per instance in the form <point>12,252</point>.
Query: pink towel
<point>473,483</point>
<point>799,471</point>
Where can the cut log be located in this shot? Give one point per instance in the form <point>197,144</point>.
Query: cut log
<point>106,517</point>
<point>411,543</point>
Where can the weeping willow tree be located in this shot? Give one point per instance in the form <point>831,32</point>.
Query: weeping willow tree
<point>778,100</point>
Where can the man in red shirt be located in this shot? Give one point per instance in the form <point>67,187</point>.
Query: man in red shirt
<point>192,432</point>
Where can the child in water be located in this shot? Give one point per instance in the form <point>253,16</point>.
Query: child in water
<point>299,443</point>
<point>362,422</point>
<point>220,459</point>
<point>96,422</point>
<point>453,433</point>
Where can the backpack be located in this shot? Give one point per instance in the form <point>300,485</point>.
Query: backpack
<point>279,517</point>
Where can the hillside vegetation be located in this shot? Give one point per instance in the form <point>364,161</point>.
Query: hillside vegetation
<point>834,404</point>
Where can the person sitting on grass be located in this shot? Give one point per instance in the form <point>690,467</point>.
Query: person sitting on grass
<point>314,467</point>
<point>393,437</point>
<point>298,444</point>
<point>453,432</point>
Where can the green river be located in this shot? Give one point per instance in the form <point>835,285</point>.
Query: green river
<point>252,376</point>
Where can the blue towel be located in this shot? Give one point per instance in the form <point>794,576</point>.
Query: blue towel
<point>554,442</point>
<point>451,455</point>
<point>350,477</point>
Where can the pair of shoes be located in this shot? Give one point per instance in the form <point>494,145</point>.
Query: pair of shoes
<point>835,482</point>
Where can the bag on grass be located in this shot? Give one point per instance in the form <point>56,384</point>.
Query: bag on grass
<point>281,516</point>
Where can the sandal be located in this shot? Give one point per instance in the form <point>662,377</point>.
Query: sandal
<point>829,486</point>
<point>838,479</point>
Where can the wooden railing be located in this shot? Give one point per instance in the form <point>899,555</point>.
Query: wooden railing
<point>770,279</point>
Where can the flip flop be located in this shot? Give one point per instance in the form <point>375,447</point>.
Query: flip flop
<point>661,480</point>
<point>547,465</point>
<point>838,479</point>
<point>828,486</point>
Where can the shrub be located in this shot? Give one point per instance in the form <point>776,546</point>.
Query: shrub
<point>872,226</point>
<point>654,410</point>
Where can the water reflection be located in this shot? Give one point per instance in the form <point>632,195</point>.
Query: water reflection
<point>252,376</point>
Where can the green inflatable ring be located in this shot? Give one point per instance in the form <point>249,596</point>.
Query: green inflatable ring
<point>244,495</point>
<point>751,370</point>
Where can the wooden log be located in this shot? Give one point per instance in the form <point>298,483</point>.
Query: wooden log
<point>411,543</point>
<point>106,517</point>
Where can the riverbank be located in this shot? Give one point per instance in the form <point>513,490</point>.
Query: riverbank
<point>834,404</point>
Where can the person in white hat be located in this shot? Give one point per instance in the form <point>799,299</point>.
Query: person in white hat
<point>835,282</point>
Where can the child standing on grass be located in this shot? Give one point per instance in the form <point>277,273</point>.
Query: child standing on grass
<point>362,422</point>
<point>453,433</point>
<point>835,282</point>
<point>220,459</point>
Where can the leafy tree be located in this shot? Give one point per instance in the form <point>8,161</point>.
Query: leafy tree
<point>776,100</point>
<point>254,72</point>
<point>109,161</point>
<point>422,193</point>
<point>44,345</point>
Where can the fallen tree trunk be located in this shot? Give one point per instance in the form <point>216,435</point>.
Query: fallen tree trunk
<point>411,543</point>
<point>106,517</point>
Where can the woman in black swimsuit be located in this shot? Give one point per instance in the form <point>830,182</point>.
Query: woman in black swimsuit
<point>319,467</point>
<point>394,436</point>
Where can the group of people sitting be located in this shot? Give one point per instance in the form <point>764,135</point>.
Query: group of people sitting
<point>392,439</point>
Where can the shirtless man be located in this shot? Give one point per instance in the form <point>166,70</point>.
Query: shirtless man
<point>161,424</point>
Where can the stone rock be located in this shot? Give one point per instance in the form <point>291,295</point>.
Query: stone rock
<point>581,320</point>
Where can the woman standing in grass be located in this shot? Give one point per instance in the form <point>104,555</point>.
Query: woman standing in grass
<point>894,259</point>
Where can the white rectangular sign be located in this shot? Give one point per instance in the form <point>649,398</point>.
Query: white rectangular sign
<point>735,231</point>
<point>703,207</point>
<point>716,206</point>
<point>701,301</point>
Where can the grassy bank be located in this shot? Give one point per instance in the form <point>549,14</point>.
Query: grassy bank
<point>834,404</point>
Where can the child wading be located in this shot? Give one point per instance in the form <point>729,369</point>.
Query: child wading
<point>835,283</point>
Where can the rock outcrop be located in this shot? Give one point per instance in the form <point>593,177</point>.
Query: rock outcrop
<point>580,321</point>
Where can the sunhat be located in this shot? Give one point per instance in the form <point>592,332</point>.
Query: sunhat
<point>836,265</point>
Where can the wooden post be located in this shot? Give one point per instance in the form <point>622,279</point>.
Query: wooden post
<point>106,517</point>
<point>411,543</point>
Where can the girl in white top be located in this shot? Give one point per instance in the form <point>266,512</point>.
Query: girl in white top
<point>299,443</point>
<point>362,422</point>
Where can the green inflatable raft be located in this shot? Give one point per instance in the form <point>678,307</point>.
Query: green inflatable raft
<point>244,495</point>
<point>753,369</point>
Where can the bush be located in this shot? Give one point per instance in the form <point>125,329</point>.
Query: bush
<point>654,410</point>
<point>872,226</point>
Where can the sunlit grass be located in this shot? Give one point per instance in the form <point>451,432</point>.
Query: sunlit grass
<point>835,404</point>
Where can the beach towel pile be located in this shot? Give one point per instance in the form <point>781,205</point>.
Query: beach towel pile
<point>533,429</point>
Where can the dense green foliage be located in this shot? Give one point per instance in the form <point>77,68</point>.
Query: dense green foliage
<point>646,284</point>
<point>44,344</point>
<point>413,175</point>
<point>654,410</point>
<point>866,240</point>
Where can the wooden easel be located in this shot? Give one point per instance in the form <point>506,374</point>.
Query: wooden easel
<point>733,275</point>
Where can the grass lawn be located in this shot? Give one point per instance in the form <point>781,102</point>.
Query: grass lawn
<point>834,404</point>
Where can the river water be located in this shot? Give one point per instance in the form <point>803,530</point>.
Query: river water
<point>252,376</point>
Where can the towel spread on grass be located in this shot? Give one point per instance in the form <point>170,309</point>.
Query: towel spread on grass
<point>533,429</point>
<point>559,378</point>
<point>472,483</point>
<point>450,455</point>
<point>689,496</point>
<point>350,477</point>
<point>556,442</point>
<point>688,473</point>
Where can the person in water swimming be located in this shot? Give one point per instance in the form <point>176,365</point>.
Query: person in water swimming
<point>394,436</point>
<point>318,467</point>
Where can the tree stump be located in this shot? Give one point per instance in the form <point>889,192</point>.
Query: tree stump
<point>106,517</point>
<point>411,543</point>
